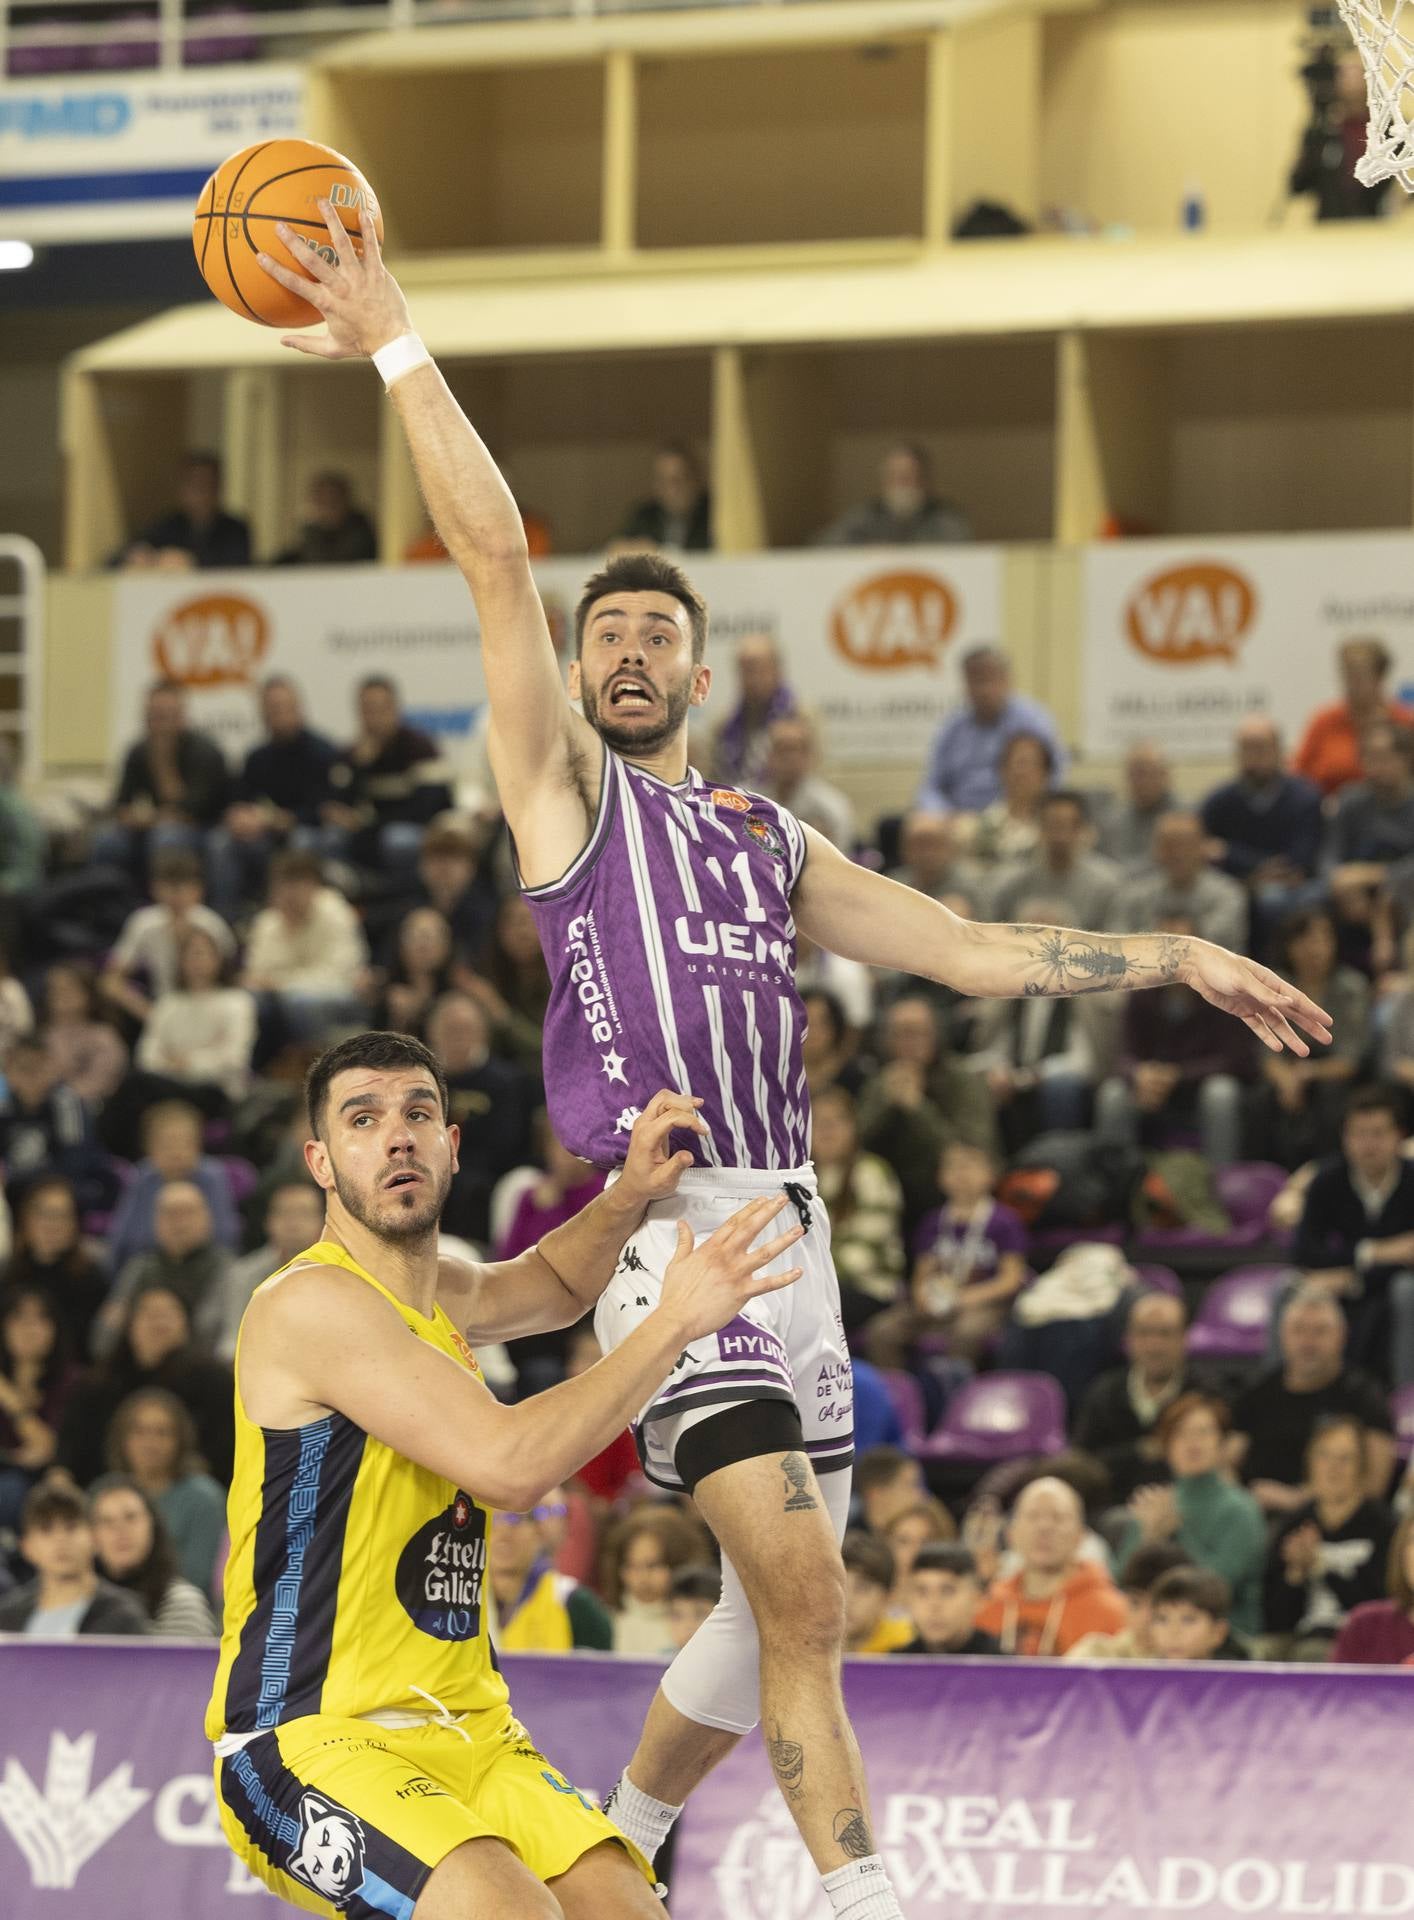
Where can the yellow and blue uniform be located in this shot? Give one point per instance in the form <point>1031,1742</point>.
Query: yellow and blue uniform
<point>356,1590</point>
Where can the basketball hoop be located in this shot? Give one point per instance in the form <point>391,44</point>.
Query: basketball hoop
<point>1383,30</point>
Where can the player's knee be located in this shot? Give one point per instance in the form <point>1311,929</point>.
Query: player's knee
<point>807,1612</point>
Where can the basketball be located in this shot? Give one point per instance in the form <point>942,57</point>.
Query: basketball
<point>236,215</point>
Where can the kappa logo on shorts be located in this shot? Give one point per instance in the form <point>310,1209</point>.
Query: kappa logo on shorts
<point>631,1261</point>
<point>328,1856</point>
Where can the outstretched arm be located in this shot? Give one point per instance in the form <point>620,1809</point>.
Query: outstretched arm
<point>863,916</point>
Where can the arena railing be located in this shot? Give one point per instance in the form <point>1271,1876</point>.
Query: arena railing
<point>22,596</point>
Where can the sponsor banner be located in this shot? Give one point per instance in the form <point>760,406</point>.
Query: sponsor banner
<point>89,158</point>
<point>1182,639</point>
<point>996,1786</point>
<point>871,640</point>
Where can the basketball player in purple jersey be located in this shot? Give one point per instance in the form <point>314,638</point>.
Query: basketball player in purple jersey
<point>667,909</point>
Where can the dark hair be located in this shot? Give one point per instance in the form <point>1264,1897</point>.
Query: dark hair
<point>201,457</point>
<point>1048,752</point>
<point>14,1291</point>
<point>331,477</point>
<point>32,1044</point>
<point>833,1007</point>
<point>679,1536</point>
<point>866,1554</point>
<point>643,573</point>
<point>1329,1423</point>
<point>946,1556</point>
<point>165,1111</point>
<point>877,1466</point>
<point>698,1582</point>
<point>225,962</point>
<point>296,863</point>
<point>187,1461</point>
<point>1293,927</point>
<point>379,1053</point>
<point>1380,656</point>
<point>1148,1564</point>
<point>1068,797</point>
<point>23,1199</point>
<point>1192,1586</point>
<point>1377,1100</point>
<point>87,978</point>
<point>166,684</point>
<point>174,863</point>
<point>153,1575</point>
<point>1177,1411</point>
<point>370,681</point>
<point>51,1503</point>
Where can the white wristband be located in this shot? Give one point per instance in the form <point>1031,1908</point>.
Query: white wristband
<point>403,355</point>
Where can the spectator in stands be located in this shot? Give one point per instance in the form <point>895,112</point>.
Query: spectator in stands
<point>926,1523</point>
<point>1373,827</point>
<point>693,1596</point>
<point>830,1046</point>
<point>886,1481</point>
<point>23,840</point>
<point>1143,1570</point>
<point>849,982</point>
<point>451,879</point>
<point>1116,1419</point>
<point>906,511</point>
<point>171,1136</point>
<point>1380,1633</point>
<point>1190,1617</point>
<point>36,1380</point>
<point>185,1259</point>
<point>493,1101</point>
<point>791,777</point>
<point>1055,1597</point>
<point>1185,884</point>
<point>152,1348</point>
<point>919,1100</point>
<point>1125,829</point>
<point>1274,1420</point>
<point>294,1220</point>
<point>869,1581</point>
<point>200,1037</point>
<point>1264,828</point>
<point>1183,1065</point>
<point>387,786</point>
<point>1300,1107</point>
<point>135,1552</point>
<point>1357,1232</point>
<point>944,1598</point>
<point>865,1203</point>
<point>421,971</point>
<point>85,1047</point>
<point>639,1557</point>
<point>306,951</point>
<point>1329,755</point>
<point>1009,830</point>
<point>964,760</point>
<point>678,511</point>
<point>335,532</point>
<point>556,1186</point>
<point>1329,1555</point>
<point>1335,138</point>
<point>66,1597</point>
<point>742,744</point>
<point>969,1264</point>
<point>153,1438</point>
<point>50,1252</point>
<point>930,857</point>
<point>197,532</point>
<point>540,1610</point>
<point>44,1126</point>
<point>1218,1525</point>
<point>16,1013</point>
<point>278,796</point>
<point>172,788</point>
<point>512,985</point>
<point>1062,870</point>
<point>147,947</point>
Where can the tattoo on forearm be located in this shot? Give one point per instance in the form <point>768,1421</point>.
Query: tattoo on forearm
<point>852,1835</point>
<point>1062,962</point>
<point>799,1498</point>
<point>788,1765</point>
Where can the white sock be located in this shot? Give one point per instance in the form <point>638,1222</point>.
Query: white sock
<point>861,1891</point>
<point>638,1816</point>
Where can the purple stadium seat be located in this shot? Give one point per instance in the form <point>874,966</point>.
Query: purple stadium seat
<point>1000,1416</point>
<point>1246,1190</point>
<point>241,1178</point>
<point>1159,1280</point>
<point>906,1397</point>
<point>1401,1412</point>
<point>1235,1317</point>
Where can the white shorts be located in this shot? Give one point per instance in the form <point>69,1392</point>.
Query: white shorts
<point>786,1346</point>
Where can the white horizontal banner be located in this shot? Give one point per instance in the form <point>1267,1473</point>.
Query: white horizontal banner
<point>870,639</point>
<point>1182,638</point>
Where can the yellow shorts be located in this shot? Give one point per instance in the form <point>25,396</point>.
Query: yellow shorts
<point>346,1816</point>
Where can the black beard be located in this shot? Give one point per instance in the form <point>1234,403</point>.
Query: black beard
<point>635,744</point>
<point>407,1223</point>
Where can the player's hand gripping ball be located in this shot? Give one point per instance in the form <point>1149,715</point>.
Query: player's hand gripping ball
<point>236,215</point>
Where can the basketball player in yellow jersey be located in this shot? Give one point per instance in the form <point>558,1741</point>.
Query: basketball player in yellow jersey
<point>367,1759</point>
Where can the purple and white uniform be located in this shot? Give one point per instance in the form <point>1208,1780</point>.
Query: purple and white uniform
<point>671,949</point>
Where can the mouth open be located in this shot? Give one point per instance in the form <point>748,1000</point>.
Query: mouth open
<point>631,693</point>
<point>402,1182</point>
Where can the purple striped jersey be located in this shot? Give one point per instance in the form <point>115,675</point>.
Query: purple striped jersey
<point>671,951</point>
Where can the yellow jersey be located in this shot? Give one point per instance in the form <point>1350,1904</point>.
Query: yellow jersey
<point>354,1575</point>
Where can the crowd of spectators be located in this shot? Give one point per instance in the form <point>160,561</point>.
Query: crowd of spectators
<point>991,1171</point>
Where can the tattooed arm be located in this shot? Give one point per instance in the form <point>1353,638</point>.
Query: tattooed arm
<point>863,916</point>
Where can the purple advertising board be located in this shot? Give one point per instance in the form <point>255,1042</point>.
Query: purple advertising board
<point>997,1787</point>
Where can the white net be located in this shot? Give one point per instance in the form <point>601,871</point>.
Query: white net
<point>1384,33</point>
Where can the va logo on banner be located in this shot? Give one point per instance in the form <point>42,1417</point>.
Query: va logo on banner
<point>895,620</point>
<point>1190,614</point>
<point>65,1825</point>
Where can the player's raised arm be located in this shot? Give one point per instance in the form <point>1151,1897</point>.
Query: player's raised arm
<point>862,916</point>
<point>533,724</point>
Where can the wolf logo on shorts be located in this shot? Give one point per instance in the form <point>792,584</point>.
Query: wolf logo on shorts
<point>328,1857</point>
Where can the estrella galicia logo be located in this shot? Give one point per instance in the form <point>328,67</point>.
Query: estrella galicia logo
<point>328,1856</point>
<point>441,1570</point>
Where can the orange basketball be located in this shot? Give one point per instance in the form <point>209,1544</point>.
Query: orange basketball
<point>236,214</point>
